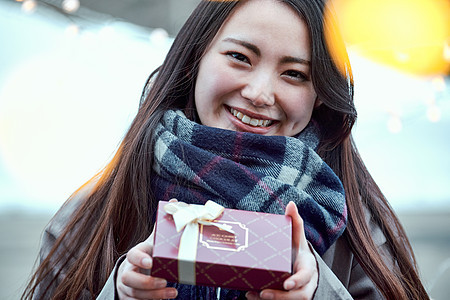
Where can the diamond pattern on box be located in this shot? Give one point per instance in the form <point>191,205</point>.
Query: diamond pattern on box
<point>265,262</point>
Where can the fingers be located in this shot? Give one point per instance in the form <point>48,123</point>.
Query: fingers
<point>165,293</point>
<point>252,295</point>
<point>141,281</point>
<point>306,292</point>
<point>134,280</point>
<point>303,283</point>
<point>140,255</point>
<point>303,287</point>
<point>298,232</point>
<point>305,270</point>
<point>133,284</point>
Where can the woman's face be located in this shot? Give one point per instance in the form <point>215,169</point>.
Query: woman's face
<point>255,76</point>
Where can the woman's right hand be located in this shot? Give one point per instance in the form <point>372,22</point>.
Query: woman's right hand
<point>132,279</point>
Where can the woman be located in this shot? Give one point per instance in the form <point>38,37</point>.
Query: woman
<point>258,72</point>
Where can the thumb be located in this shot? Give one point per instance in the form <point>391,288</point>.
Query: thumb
<point>298,232</point>
<point>147,245</point>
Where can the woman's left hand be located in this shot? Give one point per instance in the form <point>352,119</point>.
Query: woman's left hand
<point>303,283</point>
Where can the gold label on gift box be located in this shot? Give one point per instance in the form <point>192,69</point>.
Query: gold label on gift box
<point>214,238</point>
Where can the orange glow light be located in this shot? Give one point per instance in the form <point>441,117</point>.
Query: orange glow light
<point>409,35</point>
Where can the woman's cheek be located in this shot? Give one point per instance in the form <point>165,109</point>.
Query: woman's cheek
<point>228,79</point>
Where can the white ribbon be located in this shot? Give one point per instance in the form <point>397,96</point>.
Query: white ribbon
<point>189,216</point>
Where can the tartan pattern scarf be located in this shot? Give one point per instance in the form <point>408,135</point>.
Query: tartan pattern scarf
<point>195,163</point>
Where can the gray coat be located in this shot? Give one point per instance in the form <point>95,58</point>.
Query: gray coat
<point>340,274</point>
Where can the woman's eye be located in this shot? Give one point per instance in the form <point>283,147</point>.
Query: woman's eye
<point>238,56</point>
<point>296,75</point>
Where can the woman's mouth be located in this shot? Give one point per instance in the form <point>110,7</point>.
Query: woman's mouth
<point>249,120</point>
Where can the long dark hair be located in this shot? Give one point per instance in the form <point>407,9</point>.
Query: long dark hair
<point>117,214</point>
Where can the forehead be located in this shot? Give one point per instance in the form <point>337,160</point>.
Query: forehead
<point>268,21</point>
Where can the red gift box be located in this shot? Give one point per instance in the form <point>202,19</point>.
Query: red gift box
<point>256,256</point>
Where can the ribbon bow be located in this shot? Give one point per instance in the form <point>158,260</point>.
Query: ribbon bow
<point>188,217</point>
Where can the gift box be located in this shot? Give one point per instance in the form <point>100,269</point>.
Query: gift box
<point>233,249</point>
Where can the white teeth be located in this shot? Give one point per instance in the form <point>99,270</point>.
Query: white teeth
<point>250,121</point>
<point>254,122</point>
<point>246,119</point>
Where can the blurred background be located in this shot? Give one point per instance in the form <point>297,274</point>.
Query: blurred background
<point>71,75</point>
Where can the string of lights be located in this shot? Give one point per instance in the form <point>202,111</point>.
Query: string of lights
<point>80,19</point>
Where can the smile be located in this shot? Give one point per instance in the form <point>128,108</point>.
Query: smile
<point>250,121</point>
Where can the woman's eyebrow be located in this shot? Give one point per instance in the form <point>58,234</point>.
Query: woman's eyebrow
<point>247,45</point>
<point>255,49</point>
<point>298,60</point>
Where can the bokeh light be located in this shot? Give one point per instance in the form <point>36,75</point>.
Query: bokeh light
<point>408,35</point>
<point>29,6</point>
<point>70,6</point>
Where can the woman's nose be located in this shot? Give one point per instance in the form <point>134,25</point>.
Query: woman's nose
<point>259,90</point>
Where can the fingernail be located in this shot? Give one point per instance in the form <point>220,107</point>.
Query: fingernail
<point>171,293</point>
<point>266,295</point>
<point>160,283</point>
<point>289,284</point>
<point>147,262</point>
<point>250,295</point>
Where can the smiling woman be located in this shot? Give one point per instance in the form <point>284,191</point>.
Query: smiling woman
<point>249,110</point>
<point>255,73</point>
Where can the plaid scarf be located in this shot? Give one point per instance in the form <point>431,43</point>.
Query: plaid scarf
<point>246,171</point>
